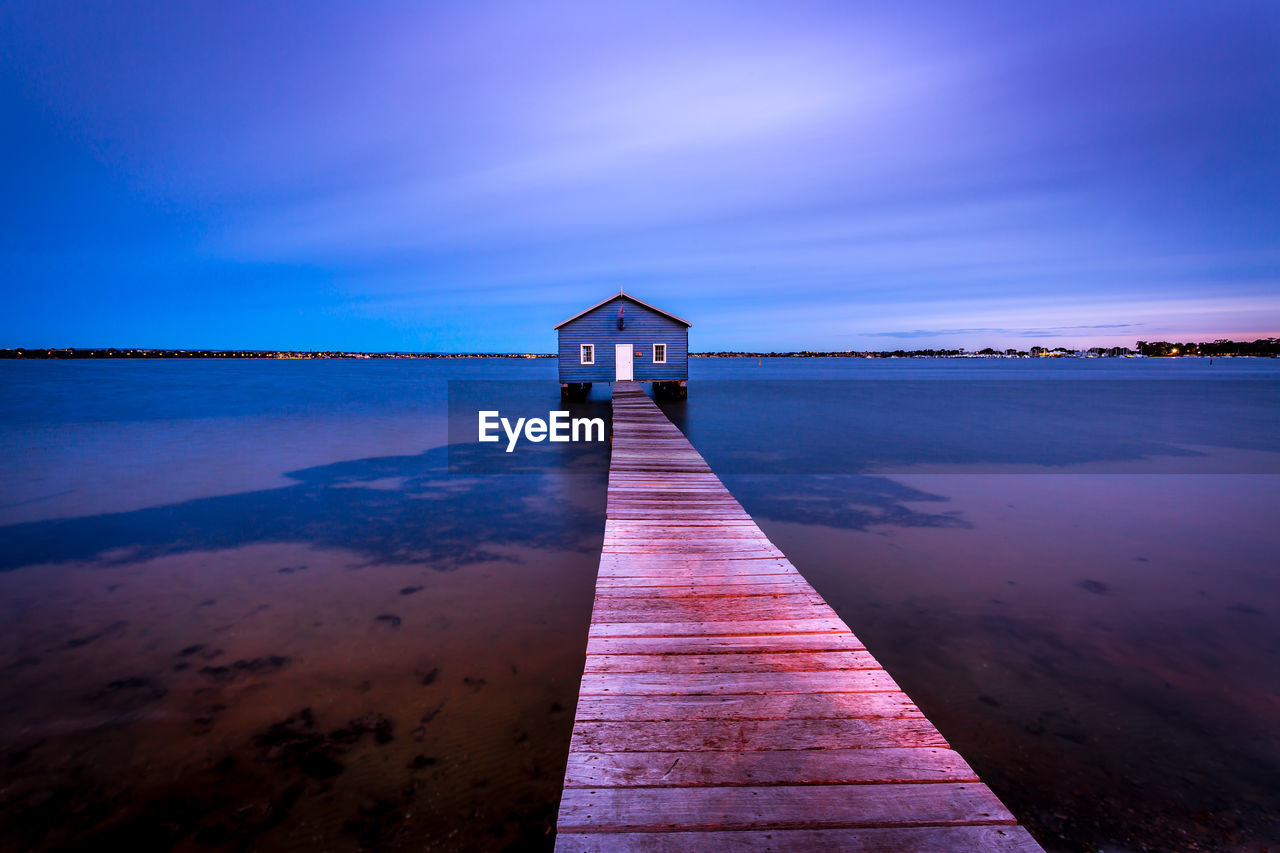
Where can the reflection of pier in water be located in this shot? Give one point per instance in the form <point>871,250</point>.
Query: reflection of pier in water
<point>725,705</point>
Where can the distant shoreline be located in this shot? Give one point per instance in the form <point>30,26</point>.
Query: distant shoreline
<point>78,353</point>
<point>1264,348</point>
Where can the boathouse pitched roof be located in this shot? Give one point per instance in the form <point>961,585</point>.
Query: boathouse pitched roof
<point>625,296</point>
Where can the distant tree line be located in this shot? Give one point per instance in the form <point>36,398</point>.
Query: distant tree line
<point>1262,346</point>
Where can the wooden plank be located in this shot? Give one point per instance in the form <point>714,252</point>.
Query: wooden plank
<point>690,589</point>
<point>708,645</point>
<point>665,529</point>
<point>741,735</point>
<point>678,578</point>
<point>674,499</point>
<point>622,528</point>
<point>687,578</point>
<point>796,603</point>
<point>666,561</point>
<point>656,512</point>
<point>721,683</point>
<point>769,590</point>
<point>933,839</point>
<point>703,542</point>
<point>800,606</point>
<point>691,546</point>
<point>661,539</point>
<point>785,767</point>
<point>746,706</point>
<point>691,567</point>
<point>728,628</point>
<point>660,558</point>
<point>675,572</point>
<point>675,502</point>
<point>774,662</point>
<point>672,496</point>
<point>780,807</point>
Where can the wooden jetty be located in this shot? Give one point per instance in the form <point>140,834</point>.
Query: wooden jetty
<point>725,706</point>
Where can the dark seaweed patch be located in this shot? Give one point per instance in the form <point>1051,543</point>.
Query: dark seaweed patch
<point>77,642</point>
<point>376,824</point>
<point>250,821</point>
<point>205,719</point>
<point>23,662</point>
<point>253,666</point>
<point>132,690</point>
<point>379,726</point>
<point>294,741</point>
<point>226,765</point>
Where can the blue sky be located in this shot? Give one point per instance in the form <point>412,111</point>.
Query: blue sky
<point>412,176</point>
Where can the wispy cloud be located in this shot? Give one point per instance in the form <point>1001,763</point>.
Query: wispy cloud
<point>1045,332</point>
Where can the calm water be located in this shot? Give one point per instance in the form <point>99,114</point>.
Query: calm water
<point>247,604</point>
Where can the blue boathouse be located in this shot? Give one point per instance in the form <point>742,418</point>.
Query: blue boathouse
<point>624,338</point>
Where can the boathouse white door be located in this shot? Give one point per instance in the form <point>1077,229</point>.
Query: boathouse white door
<point>622,358</point>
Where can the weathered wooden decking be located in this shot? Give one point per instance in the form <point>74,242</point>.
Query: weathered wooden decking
<point>725,706</point>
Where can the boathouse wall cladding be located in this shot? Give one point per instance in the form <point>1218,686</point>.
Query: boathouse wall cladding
<point>658,341</point>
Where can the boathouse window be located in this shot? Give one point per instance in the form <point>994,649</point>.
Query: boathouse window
<point>659,353</point>
<point>588,354</point>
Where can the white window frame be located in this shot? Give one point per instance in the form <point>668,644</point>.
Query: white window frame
<point>657,360</point>
<point>582,353</point>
